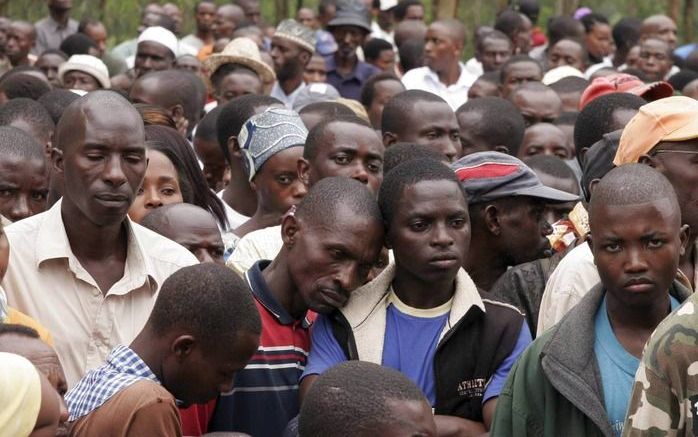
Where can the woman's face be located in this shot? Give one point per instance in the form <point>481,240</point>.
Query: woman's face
<point>160,187</point>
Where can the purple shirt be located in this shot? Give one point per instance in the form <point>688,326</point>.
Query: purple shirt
<point>349,86</point>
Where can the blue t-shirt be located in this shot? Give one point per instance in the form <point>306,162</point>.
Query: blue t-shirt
<point>617,367</point>
<point>410,343</point>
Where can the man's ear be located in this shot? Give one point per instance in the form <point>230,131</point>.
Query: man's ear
<point>177,111</point>
<point>389,139</point>
<point>492,220</point>
<point>502,149</point>
<point>290,227</point>
<point>652,161</point>
<point>684,235</point>
<point>582,154</point>
<point>183,346</point>
<point>304,57</point>
<point>234,147</point>
<point>304,171</point>
<point>56,159</point>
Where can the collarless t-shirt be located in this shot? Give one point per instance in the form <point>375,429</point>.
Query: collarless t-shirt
<point>617,367</point>
<point>411,338</point>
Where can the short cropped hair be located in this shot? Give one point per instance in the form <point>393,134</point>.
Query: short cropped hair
<point>316,137</point>
<point>32,113</point>
<point>16,143</point>
<point>211,300</point>
<point>20,330</point>
<point>24,85</point>
<point>328,197</point>
<point>596,119</point>
<point>406,175</point>
<point>396,111</point>
<point>374,47</point>
<point>516,59</point>
<point>551,165</point>
<point>55,102</point>
<point>401,152</point>
<point>501,122</point>
<point>400,11</point>
<point>206,129</point>
<point>354,398</point>
<point>234,114</point>
<point>368,90</point>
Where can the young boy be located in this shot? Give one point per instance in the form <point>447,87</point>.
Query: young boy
<point>423,315</point>
<point>576,379</point>
<point>203,328</point>
<point>360,399</point>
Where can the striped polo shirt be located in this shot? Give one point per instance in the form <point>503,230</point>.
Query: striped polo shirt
<point>265,393</point>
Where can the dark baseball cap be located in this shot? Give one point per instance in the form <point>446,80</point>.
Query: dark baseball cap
<point>488,176</point>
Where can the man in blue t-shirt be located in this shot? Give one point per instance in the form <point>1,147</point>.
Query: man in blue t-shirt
<point>423,315</point>
<point>636,239</point>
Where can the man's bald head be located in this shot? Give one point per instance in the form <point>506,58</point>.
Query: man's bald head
<point>456,30</point>
<point>232,12</point>
<point>660,26</point>
<point>409,30</point>
<point>106,106</point>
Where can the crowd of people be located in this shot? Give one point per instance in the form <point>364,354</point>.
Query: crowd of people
<point>339,225</point>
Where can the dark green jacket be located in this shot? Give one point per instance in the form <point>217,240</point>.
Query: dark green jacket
<point>555,387</point>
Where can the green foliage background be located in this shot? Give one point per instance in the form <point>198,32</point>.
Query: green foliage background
<point>122,16</point>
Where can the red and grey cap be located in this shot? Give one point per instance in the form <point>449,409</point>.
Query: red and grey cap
<point>488,176</point>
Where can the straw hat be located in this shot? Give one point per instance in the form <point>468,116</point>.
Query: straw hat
<point>241,51</point>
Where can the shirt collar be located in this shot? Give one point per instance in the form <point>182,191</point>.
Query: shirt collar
<point>53,244</point>
<point>361,70</point>
<point>465,79</point>
<point>124,360</point>
<point>264,295</point>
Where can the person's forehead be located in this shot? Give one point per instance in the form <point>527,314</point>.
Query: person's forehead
<point>654,215</point>
<point>109,125</point>
<point>492,44</point>
<point>306,13</point>
<point>691,144</point>
<point>567,46</point>
<point>206,7</point>
<point>387,86</point>
<point>439,196</point>
<point>654,45</point>
<point>524,68</point>
<point>535,97</point>
<point>349,135</point>
<point>439,30</point>
<point>545,132</point>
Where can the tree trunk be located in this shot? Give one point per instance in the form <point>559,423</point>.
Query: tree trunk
<point>688,11</point>
<point>674,7</point>
<point>445,9</point>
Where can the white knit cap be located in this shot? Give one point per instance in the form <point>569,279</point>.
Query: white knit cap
<point>87,64</point>
<point>162,36</point>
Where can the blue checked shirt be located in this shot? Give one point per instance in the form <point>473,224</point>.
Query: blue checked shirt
<point>123,368</point>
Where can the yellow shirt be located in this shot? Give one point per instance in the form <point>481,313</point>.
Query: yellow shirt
<point>47,282</point>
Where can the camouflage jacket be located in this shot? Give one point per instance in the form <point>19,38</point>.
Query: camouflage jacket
<point>664,401</point>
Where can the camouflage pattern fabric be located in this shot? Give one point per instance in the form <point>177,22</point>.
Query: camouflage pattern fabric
<point>664,401</point>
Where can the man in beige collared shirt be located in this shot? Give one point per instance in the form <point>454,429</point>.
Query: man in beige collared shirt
<point>82,268</point>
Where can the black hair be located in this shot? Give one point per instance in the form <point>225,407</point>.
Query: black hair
<point>501,122</point>
<point>211,300</point>
<point>354,398</point>
<point>368,90</point>
<point>20,330</point>
<point>374,47</point>
<point>171,143</point>
<point>411,54</point>
<point>591,20</point>
<point>509,22</point>
<point>206,129</point>
<point>632,184</point>
<point>32,113</point>
<point>86,22</point>
<point>396,111</point>
<point>569,84</point>
<point>55,102</point>
<point>568,118</point>
<point>400,10</point>
<point>178,87</point>
<point>327,110</point>
<point>407,174</point>
<point>551,165</point>
<point>329,197</point>
<point>504,71</point>
<point>53,52</point>
<point>398,153</point>
<point>626,33</point>
<point>691,61</point>
<point>316,136</point>
<point>224,70</point>
<point>323,5</point>
<point>77,44</point>
<point>234,114</point>
<point>534,87</point>
<point>490,76</point>
<point>563,27</point>
<point>682,78</point>
<point>23,85</point>
<point>16,143</point>
<point>493,34</point>
<point>529,8</point>
<point>596,119</point>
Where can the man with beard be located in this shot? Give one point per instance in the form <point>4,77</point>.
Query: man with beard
<point>345,71</point>
<point>292,46</point>
<point>52,30</point>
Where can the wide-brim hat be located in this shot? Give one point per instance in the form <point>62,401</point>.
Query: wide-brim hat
<point>241,51</point>
<point>87,64</point>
